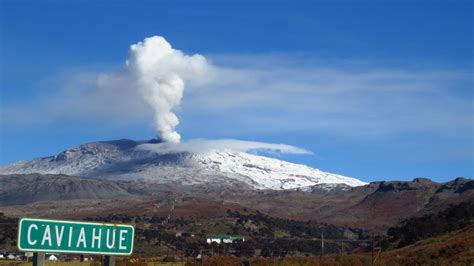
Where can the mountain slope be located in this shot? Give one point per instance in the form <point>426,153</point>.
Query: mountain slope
<point>24,189</point>
<point>376,206</point>
<point>453,248</point>
<point>131,160</point>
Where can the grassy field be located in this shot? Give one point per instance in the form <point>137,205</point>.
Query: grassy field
<point>455,248</point>
<point>119,263</point>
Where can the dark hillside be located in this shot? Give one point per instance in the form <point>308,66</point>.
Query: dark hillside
<point>453,218</point>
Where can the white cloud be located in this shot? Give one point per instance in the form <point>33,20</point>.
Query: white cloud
<point>250,94</point>
<point>354,101</point>
<point>203,145</point>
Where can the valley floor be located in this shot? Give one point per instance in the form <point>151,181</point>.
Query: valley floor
<point>455,248</point>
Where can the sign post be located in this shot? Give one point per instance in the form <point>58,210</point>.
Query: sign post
<point>38,259</point>
<point>109,261</point>
<point>52,236</point>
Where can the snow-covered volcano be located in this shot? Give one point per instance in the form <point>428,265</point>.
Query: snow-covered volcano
<point>132,160</point>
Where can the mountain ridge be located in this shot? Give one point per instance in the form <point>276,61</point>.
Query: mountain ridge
<point>366,206</point>
<point>128,160</point>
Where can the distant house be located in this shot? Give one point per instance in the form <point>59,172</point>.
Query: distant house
<point>52,257</point>
<point>11,257</point>
<point>2,257</point>
<point>224,239</point>
<point>28,254</point>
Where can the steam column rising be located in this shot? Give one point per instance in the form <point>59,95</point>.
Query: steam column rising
<point>160,73</point>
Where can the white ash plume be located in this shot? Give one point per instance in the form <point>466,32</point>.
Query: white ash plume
<point>161,73</point>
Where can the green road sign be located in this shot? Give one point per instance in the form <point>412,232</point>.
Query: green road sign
<point>75,237</point>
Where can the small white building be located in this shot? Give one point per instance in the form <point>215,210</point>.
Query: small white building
<point>52,257</point>
<point>11,257</point>
<point>28,254</point>
<point>225,239</point>
<point>2,257</point>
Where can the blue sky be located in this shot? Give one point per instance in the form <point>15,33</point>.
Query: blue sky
<point>378,90</point>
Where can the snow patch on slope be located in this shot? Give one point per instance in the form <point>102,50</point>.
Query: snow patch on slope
<point>269,173</point>
<point>130,160</point>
